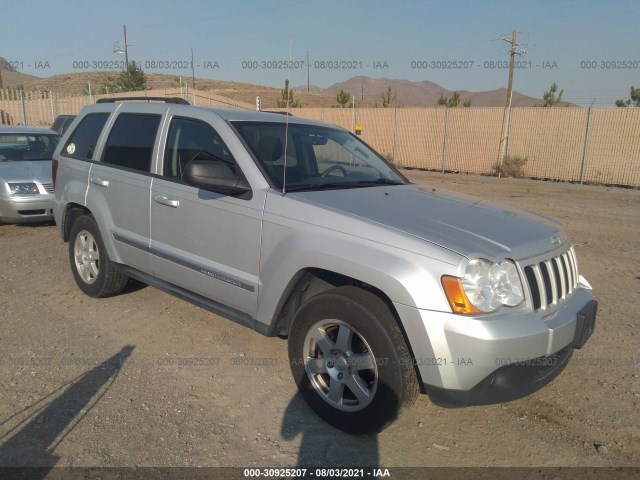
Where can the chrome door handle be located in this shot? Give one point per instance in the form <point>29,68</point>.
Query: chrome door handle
<point>100,182</point>
<point>164,200</point>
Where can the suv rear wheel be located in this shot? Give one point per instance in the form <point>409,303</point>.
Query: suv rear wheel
<point>92,269</point>
<point>350,360</point>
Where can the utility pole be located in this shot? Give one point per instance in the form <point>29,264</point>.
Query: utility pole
<point>506,119</point>
<point>512,63</point>
<point>126,48</point>
<point>308,71</point>
<point>119,51</point>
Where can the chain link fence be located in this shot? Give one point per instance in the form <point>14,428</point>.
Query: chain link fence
<point>592,145</point>
<point>585,145</point>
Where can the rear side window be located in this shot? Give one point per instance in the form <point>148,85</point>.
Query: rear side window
<point>130,142</point>
<point>83,140</point>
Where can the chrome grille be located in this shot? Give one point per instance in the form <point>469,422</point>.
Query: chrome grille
<point>48,187</point>
<point>553,280</point>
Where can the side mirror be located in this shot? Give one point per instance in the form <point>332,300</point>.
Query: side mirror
<point>214,175</point>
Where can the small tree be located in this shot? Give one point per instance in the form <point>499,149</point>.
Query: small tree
<point>388,97</point>
<point>343,98</point>
<point>634,100</point>
<point>635,96</point>
<point>287,94</point>
<point>131,79</point>
<point>550,98</point>
<point>452,102</point>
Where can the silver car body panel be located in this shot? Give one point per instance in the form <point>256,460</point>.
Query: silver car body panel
<point>463,350</point>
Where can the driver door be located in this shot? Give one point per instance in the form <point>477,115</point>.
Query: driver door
<point>202,241</point>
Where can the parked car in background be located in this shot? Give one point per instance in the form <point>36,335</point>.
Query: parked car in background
<point>26,188</point>
<point>61,123</point>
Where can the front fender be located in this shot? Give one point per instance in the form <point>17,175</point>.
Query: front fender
<point>406,277</point>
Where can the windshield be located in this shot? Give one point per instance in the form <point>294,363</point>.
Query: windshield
<point>27,146</point>
<point>316,157</point>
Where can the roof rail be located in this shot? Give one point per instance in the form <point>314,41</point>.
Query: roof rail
<point>280,113</point>
<point>177,100</point>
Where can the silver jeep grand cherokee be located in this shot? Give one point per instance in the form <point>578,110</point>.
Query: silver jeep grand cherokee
<point>298,229</point>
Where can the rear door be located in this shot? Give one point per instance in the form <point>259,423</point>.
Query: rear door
<point>206,242</point>
<point>119,186</point>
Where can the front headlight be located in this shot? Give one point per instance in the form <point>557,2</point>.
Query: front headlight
<point>486,286</point>
<point>23,188</point>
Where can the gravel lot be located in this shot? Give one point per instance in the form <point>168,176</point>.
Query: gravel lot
<point>146,379</point>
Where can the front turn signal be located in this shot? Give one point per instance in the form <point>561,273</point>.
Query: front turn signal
<point>457,298</point>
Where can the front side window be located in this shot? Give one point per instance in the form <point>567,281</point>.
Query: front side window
<point>83,140</point>
<point>310,157</point>
<point>131,140</point>
<point>193,140</point>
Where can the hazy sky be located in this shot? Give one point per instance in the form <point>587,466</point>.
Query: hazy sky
<point>590,48</point>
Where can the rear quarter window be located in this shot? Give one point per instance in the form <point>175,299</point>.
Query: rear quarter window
<point>131,140</point>
<point>82,142</point>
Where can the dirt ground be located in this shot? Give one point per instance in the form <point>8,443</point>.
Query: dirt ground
<point>146,379</point>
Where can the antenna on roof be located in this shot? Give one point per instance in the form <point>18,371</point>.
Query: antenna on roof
<point>286,124</point>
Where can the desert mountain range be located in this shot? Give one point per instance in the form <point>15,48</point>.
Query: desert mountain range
<point>367,90</point>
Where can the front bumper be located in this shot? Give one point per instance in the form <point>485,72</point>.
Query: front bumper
<point>460,359</point>
<point>506,383</point>
<point>26,208</point>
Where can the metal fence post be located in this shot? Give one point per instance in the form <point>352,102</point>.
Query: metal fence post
<point>585,150</point>
<point>444,140</point>
<point>395,130</point>
<point>53,114</point>
<point>41,105</point>
<point>22,108</point>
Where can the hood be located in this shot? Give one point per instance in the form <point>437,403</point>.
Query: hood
<point>470,227</point>
<point>26,171</point>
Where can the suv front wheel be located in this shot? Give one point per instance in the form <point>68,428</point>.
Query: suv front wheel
<point>350,361</point>
<point>92,269</point>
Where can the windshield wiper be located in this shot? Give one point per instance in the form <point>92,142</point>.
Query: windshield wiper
<point>379,181</point>
<point>317,186</point>
<point>335,186</point>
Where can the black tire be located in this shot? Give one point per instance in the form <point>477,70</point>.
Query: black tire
<point>91,266</point>
<point>376,340</point>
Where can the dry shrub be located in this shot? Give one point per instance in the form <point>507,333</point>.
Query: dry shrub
<point>512,166</point>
